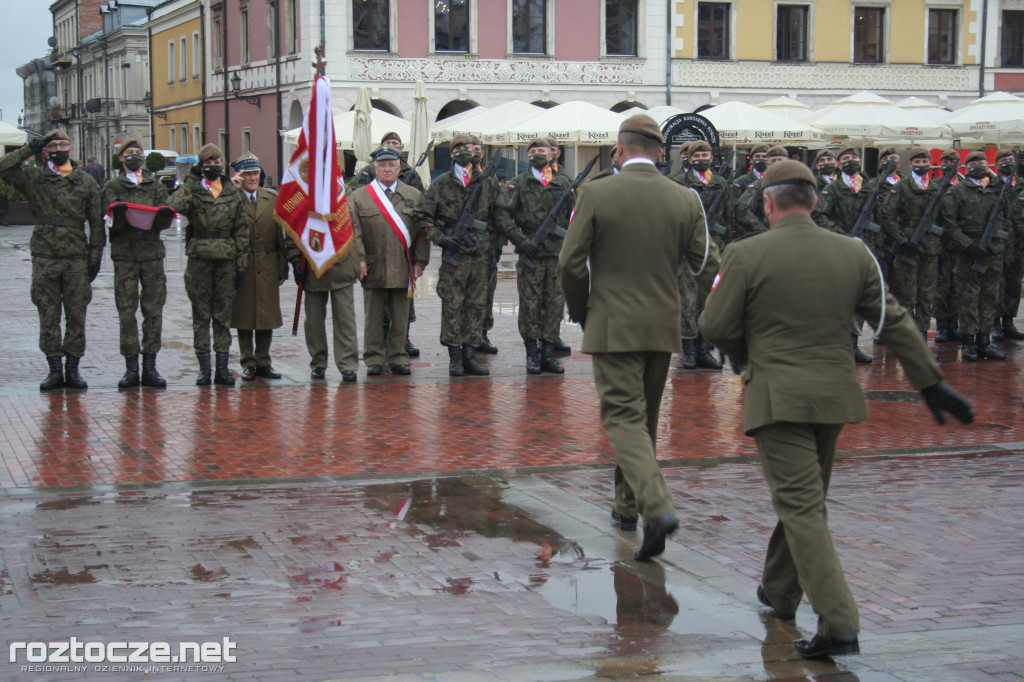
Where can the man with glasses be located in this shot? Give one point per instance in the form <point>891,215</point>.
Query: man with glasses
<point>65,256</point>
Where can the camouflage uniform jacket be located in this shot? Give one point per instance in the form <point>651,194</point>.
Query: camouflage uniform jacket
<point>439,209</point>
<point>750,218</point>
<point>838,206</point>
<point>61,207</point>
<point>742,183</point>
<point>965,210</point>
<point>824,180</point>
<point>218,229</point>
<point>368,174</point>
<point>906,206</point>
<point>525,201</point>
<point>129,243</point>
<point>725,215</point>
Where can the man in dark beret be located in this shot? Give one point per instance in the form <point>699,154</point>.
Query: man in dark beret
<point>1013,258</point>
<point>946,324</point>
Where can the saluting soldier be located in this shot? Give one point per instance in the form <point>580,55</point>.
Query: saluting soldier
<point>750,218</point>
<point>825,168</point>
<point>1013,263</point>
<point>946,324</point>
<point>758,164</point>
<point>138,254</point>
<point>65,259</point>
<point>217,246</point>
<point>366,174</point>
<point>257,308</point>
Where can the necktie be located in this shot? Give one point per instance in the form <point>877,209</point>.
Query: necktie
<point>252,198</point>
<point>388,193</point>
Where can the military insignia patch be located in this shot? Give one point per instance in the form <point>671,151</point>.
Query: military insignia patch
<point>316,240</point>
<point>714,284</point>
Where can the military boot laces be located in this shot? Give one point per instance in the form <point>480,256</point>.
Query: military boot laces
<point>689,354</point>
<point>72,379</point>
<point>222,376</point>
<point>130,378</point>
<point>204,378</point>
<point>547,359</point>
<point>705,358</point>
<point>151,377</point>
<point>987,351</point>
<point>532,356</point>
<point>55,379</point>
<point>471,364</point>
<point>455,367</point>
<point>1010,331</point>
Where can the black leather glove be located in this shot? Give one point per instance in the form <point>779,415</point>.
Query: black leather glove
<point>196,170</point>
<point>941,397</point>
<point>909,248</point>
<point>449,242</point>
<point>119,209</point>
<point>165,213</point>
<point>298,272</point>
<point>239,276</point>
<point>36,144</point>
<point>975,251</point>
<point>528,249</point>
<point>94,269</point>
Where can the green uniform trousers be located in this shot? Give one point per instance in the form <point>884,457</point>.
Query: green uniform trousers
<point>797,461</point>
<point>129,275</point>
<point>343,322</point>
<point>210,285</point>
<point>977,293</point>
<point>689,307</point>
<point>1013,270</point>
<point>463,292</point>
<point>945,298</point>
<point>541,302</point>
<point>257,355</point>
<point>378,303</point>
<point>629,386</point>
<point>914,287</point>
<point>61,284</point>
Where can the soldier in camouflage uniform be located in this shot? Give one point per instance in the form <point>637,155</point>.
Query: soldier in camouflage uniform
<point>462,287</point>
<point>825,168</point>
<point>492,265</point>
<point>945,304</point>
<point>965,212</point>
<point>750,219</point>
<point>217,245</point>
<point>758,165</point>
<point>1013,264</point>
<point>138,254</point>
<point>65,260</point>
<point>881,243</point>
<point>366,175</point>
<point>707,185</point>
<point>525,202</point>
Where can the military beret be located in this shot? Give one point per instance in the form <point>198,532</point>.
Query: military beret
<point>684,148</point>
<point>387,154</point>
<point>552,142</point>
<point>125,144</point>
<point>822,153</point>
<point>390,136</point>
<point>642,125</point>
<point>475,140</point>
<point>209,151</point>
<point>246,162</point>
<point>760,148</point>
<point>55,134</point>
<point>848,150</point>
<point>461,141</point>
<point>699,146</point>
<point>976,156</point>
<point>1003,152</point>
<point>787,172</point>
<point>538,142</point>
<point>918,153</point>
<point>950,155</point>
<point>888,151</point>
<point>778,150</point>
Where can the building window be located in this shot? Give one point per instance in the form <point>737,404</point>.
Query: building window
<point>271,30</point>
<point>868,25</point>
<point>529,26</point>
<point>183,139</point>
<point>370,25</point>
<point>183,57</point>
<point>197,55</point>
<point>620,33</point>
<point>791,37</point>
<point>170,62</point>
<point>451,25</point>
<point>713,30</point>
<point>243,29</point>
<point>217,34</point>
<point>222,142</point>
<point>1013,38</point>
<point>291,38</point>
<point>246,140</point>
<point>197,140</point>
<point>942,36</point>
<point>171,142</point>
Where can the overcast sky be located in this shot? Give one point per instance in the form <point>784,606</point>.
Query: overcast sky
<point>27,24</point>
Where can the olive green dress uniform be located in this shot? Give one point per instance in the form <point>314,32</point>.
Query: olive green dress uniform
<point>913,285</point>
<point>138,262</point>
<point>618,268</point>
<point>61,247</point>
<point>257,308</point>
<point>386,285</point>
<point>792,292</point>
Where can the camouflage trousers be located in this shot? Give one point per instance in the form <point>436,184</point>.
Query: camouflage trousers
<point>541,303</point>
<point>210,285</point>
<point>945,299</point>
<point>1010,289</point>
<point>492,284</point>
<point>463,292</point>
<point>61,283</point>
<point>914,287</point>
<point>689,306</point>
<point>977,294</point>
<point>128,276</point>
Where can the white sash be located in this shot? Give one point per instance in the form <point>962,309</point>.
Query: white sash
<point>376,191</point>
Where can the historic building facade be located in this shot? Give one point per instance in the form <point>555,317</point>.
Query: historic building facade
<point>178,56</point>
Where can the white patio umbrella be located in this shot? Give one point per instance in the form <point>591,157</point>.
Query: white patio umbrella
<point>362,137</point>
<point>923,107</point>
<point>420,137</point>
<point>569,123</point>
<point>381,122</point>
<point>999,117</point>
<point>786,107</point>
<point>11,135</point>
<point>659,114</point>
<point>868,117</point>
<point>490,124</point>
<point>742,123</point>
<point>440,131</point>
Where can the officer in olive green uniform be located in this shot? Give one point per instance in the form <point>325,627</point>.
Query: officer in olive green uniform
<point>256,312</point>
<point>462,287</point>
<point>825,168</point>
<point>526,201</point>
<point>1013,258</point>
<point>945,304</point>
<point>627,240</point>
<point>771,302</point>
<point>138,254</point>
<point>966,209</point>
<point>750,218</point>
<point>65,259</point>
<point>366,175</point>
<point>758,164</point>
<point>217,245</point>
<point>707,185</point>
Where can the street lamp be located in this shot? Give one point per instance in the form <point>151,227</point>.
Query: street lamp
<point>236,87</point>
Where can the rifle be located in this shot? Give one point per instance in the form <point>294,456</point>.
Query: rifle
<point>466,220</point>
<point>407,179</point>
<point>548,226</point>
<point>991,231</point>
<point>298,299</point>
<point>864,223</point>
<point>927,224</point>
<point>726,162</point>
<point>717,227</point>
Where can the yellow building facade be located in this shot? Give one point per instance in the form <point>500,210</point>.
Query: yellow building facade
<point>177,49</point>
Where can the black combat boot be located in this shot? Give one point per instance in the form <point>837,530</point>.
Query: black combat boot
<point>858,356</point>
<point>486,346</point>
<point>204,378</point>
<point>151,377</point>
<point>997,330</point>
<point>941,331</point>
<point>130,378</point>
<point>55,379</point>
<point>1009,331</point>
<point>222,376</point>
<point>689,353</point>
<point>72,379</point>
<point>987,350</point>
<point>532,356</point>
<point>547,359</point>
<point>705,358</point>
<point>562,346</point>
<point>470,364</point>
<point>954,331</point>
<point>410,350</point>
<point>968,349</point>
<point>455,367</point>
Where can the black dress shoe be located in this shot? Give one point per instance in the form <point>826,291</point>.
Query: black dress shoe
<point>625,522</point>
<point>318,374</point>
<point>267,372</point>
<point>402,369</point>
<point>763,598</point>
<point>348,375</point>
<point>655,533</point>
<point>248,373</point>
<point>823,647</point>
<point>372,371</point>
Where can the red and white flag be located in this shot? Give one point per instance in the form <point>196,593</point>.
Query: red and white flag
<point>311,204</point>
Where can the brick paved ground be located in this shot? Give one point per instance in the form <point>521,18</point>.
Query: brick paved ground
<point>262,513</point>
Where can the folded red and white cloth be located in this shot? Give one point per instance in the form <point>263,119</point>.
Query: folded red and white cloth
<point>138,216</point>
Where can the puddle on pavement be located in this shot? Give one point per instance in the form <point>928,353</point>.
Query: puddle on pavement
<point>67,503</point>
<point>62,576</point>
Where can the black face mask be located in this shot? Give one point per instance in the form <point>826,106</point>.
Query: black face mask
<point>760,165</point>
<point>211,173</point>
<point>851,167</point>
<point>477,159</point>
<point>702,165</point>
<point>827,169</point>
<point>921,170</point>
<point>538,161</point>
<point>977,172</point>
<point>133,162</point>
<point>1006,168</point>
<point>948,170</point>
<point>463,157</point>
<point>58,158</point>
